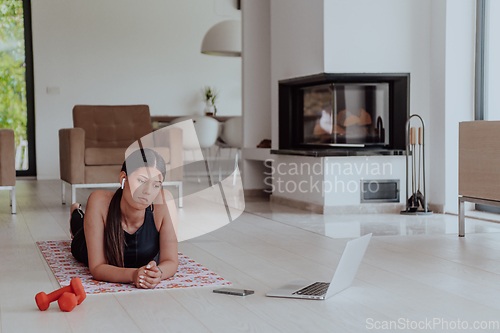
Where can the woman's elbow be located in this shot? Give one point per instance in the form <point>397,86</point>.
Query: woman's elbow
<point>94,271</point>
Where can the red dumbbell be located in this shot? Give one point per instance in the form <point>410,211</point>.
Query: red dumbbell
<point>43,300</point>
<point>68,301</point>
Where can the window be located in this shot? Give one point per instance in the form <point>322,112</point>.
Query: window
<point>16,81</point>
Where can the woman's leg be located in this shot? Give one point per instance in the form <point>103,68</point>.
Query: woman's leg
<point>78,243</point>
<point>76,220</point>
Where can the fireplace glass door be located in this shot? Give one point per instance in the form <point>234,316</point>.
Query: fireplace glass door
<point>346,114</point>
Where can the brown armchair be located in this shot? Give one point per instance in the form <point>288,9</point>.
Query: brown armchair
<point>92,153</point>
<point>7,165</point>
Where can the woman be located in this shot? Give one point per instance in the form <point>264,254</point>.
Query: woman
<point>129,236</point>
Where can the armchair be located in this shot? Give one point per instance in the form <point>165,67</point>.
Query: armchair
<point>92,153</point>
<point>7,165</point>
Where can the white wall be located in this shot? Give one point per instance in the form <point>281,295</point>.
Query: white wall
<point>452,94</point>
<point>125,52</point>
<point>296,50</point>
<point>256,67</point>
<point>459,92</point>
<point>256,84</point>
<point>296,46</point>
<point>383,36</point>
<point>492,60</point>
<point>437,121</point>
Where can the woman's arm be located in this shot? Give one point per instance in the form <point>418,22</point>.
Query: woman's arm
<point>169,259</point>
<point>94,222</point>
<point>166,210</point>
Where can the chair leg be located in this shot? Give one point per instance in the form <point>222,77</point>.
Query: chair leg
<point>63,192</point>
<point>179,188</point>
<point>73,194</point>
<point>219,155</point>
<point>235,167</point>
<point>461,218</point>
<point>210,182</point>
<point>194,159</point>
<point>13,199</point>
<point>228,160</point>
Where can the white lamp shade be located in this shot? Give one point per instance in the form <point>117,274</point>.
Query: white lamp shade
<point>223,39</point>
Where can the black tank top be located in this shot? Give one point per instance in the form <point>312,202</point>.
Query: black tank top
<point>143,245</point>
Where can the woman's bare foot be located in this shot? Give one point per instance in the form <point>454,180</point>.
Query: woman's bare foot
<point>74,206</point>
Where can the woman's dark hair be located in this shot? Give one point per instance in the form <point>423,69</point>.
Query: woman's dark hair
<point>114,238</point>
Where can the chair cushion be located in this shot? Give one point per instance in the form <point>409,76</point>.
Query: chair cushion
<point>116,156</point>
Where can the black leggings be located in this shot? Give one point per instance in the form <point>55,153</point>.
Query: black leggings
<point>78,244</point>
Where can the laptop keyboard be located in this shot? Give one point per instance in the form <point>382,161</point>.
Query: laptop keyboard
<point>315,289</point>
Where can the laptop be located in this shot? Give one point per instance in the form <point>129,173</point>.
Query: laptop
<point>343,277</point>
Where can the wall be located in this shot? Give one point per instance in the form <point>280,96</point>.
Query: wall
<point>296,50</point>
<point>256,84</point>
<point>125,52</point>
<point>296,46</point>
<point>383,36</point>
<point>437,121</point>
<point>459,91</point>
<point>256,69</point>
<point>492,60</point>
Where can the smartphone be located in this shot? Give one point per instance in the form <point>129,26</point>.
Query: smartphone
<point>233,291</point>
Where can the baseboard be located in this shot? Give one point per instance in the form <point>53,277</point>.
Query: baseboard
<point>256,193</point>
<point>307,206</point>
<point>436,208</point>
<point>379,208</point>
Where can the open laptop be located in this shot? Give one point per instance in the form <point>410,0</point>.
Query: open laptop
<point>343,277</point>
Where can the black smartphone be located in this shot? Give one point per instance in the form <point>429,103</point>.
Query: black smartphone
<point>233,291</point>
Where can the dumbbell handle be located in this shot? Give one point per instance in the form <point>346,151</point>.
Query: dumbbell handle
<point>57,293</point>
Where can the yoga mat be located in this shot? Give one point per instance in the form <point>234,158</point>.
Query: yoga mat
<point>65,267</point>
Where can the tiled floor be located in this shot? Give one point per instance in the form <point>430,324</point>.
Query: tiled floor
<point>355,225</point>
<point>415,269</point>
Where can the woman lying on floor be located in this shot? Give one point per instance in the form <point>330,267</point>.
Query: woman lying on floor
<point>129,236</point>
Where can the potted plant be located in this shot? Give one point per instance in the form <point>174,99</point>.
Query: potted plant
<point>210,96</point>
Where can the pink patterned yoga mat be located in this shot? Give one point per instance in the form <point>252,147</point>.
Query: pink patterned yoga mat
<point>65,267</point>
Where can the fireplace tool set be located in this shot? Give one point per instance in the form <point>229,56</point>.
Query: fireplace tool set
<point>418,199</point>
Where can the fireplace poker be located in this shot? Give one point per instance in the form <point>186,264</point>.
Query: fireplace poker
<point>413,201</point>
<point>420,196</point>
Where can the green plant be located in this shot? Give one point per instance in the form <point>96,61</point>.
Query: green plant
<point>210,94</point>
<point>12,69</point>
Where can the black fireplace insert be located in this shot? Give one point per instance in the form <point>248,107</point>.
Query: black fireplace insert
<point>343,114</point>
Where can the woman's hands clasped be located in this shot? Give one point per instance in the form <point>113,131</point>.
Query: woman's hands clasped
<point>148,276</point>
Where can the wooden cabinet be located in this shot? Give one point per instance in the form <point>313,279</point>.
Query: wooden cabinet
<point>479,159</point>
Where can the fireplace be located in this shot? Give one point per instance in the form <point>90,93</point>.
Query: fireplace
<point>343,114</point>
